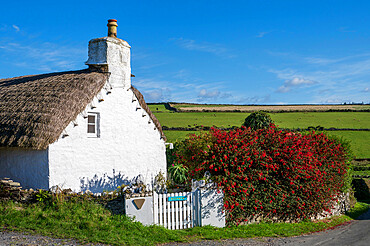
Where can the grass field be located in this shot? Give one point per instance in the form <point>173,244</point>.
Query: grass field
<point>356,120</point>
<point>269,108</point>
<point>359,140</point>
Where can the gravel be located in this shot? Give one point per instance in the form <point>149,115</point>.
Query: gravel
<point>21,238</point>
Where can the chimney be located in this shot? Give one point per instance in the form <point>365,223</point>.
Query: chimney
<point>114,54</point>
<point>112,28</point>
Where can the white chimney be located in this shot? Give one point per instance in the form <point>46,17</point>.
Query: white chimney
<point>114,53</point>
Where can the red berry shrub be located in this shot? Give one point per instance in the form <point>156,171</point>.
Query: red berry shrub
<point>268,173</point>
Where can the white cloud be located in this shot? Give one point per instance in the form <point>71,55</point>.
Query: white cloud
<point>335,79</point>
<point>157,95</point>
<point>262,34</point>
<point>295,82</point>
<point>16,28</point>
<point>44,56</point>
<point>212,95</point>
<point>254,99</point>
<point>178,89</point>
<point>213,48</point>
<point>328,61</point>
<point>366,89</point>
<point>208,94</point>
<point>345,29</point>
<point>322,61</point>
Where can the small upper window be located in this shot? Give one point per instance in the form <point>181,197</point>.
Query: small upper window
<point>93,124</point>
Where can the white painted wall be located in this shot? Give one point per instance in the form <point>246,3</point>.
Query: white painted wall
<point>129,145</point>
<point>115,53</point>
<point>145,214</point>
<point>30,167</point>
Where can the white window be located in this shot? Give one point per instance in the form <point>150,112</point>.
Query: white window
<point>93,120</point>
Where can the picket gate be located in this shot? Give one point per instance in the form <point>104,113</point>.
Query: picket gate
<point>176,210</point>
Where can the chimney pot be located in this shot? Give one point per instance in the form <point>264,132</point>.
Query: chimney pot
<point>112,28</point>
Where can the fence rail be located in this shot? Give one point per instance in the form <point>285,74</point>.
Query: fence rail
<point>174,210</point>
<point>182,210</point>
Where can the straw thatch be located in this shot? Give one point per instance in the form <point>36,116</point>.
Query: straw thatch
<point>143,104</point>
<point>35,109</point>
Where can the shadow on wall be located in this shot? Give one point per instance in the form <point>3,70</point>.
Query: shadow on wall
<point>105,183</point>
<point>212,205</point>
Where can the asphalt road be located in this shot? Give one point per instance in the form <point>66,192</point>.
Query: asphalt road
<point>357,233</point>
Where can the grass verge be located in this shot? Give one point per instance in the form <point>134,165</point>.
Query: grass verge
<point>89,222</point>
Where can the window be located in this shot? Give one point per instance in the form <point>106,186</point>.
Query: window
<point>93,120</point>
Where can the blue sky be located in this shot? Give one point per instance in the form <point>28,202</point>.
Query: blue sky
<point>238,52</point>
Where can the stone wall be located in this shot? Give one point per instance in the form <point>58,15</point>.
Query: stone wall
<point>128,145</point>
<point>13,190</point>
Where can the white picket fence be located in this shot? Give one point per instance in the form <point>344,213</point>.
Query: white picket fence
<point>176,210</point>
<point>182,210</point>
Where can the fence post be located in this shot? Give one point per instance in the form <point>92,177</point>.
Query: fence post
<point>155,207</point>
<point>196,207</point>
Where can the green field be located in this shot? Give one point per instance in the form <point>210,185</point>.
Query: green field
<point>286,120</point>
<point>358,120</point>
<point>359,140</point>
<point>312,107</point>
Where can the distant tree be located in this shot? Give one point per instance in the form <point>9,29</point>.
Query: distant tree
<point>258,120</point>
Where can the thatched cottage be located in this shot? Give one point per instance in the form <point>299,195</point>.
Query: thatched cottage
<point>85,129</point>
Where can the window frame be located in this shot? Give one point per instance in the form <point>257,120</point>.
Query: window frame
<point>96,124</point>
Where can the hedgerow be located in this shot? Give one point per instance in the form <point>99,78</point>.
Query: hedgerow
<point>268,173</point>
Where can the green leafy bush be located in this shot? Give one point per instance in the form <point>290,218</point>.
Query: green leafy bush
<point>178,173</point>
<point>269,173</point>
<point>258,120</point>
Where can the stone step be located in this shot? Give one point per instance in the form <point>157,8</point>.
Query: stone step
<point>6,181</point>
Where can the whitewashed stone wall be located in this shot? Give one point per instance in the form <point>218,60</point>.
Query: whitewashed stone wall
<point>30,167</point>
<point>129,145</point>
<point>115,53</point>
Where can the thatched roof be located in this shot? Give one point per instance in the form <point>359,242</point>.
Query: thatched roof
<point>35,109</point>
<point>146,108</point>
